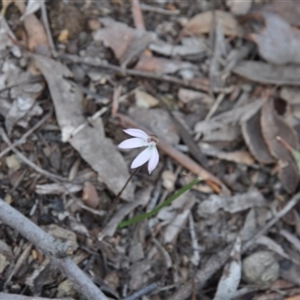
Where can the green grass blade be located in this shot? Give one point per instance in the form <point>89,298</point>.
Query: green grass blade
<point>158,208</point>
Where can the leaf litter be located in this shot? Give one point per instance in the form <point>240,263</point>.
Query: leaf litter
<point>193,79</point>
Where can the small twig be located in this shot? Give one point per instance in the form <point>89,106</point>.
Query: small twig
<point>159,10</point>
<point>137,15</point>
<point>96,62</point>
<point>26,134</point>
<point>146,290</point>
<point>195,259</point>
<point>53,248</point>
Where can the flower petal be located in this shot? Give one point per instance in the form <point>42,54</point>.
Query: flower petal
<point>132,143</point>
<point>137,133</point>
<point>142,158</point>
<point>154,158</point>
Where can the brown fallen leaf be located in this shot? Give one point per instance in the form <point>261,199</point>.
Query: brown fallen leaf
<point>278,42</point>
<point>162,65</point>
<point>97,150</point>
<point>125,42</point>
<point>202,23</point>
<point>89,195</point>
<point>254,139</point>
<point>266,73</point>
<point>274,126</point>
<point>37,38</point>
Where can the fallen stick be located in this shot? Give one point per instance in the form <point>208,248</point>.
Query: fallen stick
<point>55,249</point>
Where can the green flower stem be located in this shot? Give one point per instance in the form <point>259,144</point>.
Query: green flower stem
<point>158,208</point>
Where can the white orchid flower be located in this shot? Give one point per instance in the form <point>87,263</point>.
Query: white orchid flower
<point>142,139</point>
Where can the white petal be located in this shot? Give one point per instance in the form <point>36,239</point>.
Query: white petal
<point>137,133</point>
<point>132,143</point>
<point>154,158</point>
<point>142,158</point>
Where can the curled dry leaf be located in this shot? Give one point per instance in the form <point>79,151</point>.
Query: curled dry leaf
<point>273,126</point>
<point>254,139</point>
<point>202,23</point>
<point>278,42</point>
<point>97,150</point>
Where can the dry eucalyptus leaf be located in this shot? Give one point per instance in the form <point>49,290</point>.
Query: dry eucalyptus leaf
<point>273,126</point>
<point>254,139</point>
<point>163,65</point>
<point>239,114</point>
<point>270,74</point>
<point>278,42</point>
<point>97,150</point>
<point>126,42</point>
<point>289,174</point>
<point>202,23</point>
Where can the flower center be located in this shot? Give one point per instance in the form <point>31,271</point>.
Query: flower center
<point>153,139</point>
